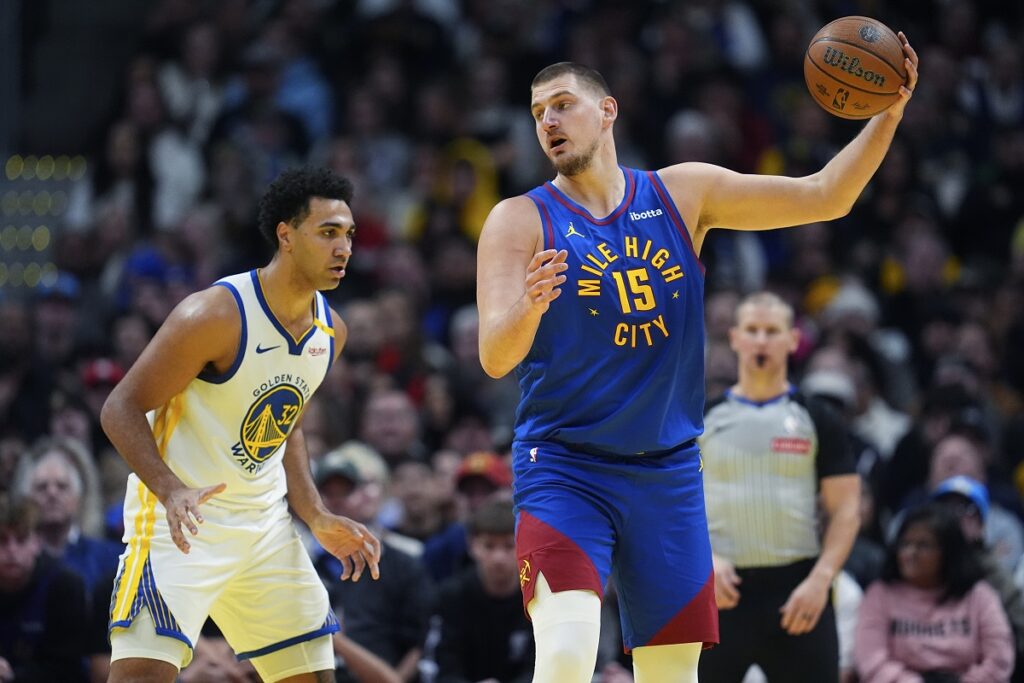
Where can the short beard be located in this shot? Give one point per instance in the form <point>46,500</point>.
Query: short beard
<point>574,165</point>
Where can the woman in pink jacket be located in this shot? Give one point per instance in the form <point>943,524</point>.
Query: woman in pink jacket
<point>931,618</point>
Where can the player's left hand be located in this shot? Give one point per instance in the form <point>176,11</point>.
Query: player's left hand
<point>910,62</point>
<point>802,610</point>
<point>349,541</point>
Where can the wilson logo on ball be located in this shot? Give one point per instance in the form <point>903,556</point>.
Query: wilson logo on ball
<point>840,60</point>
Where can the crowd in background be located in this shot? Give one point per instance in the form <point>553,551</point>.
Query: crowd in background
<point>911,308</point>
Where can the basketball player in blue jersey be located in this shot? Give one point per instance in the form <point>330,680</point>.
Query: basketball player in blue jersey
<point>590,289</point>
<point>209,420</point>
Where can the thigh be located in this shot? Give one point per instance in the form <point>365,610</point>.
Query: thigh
<point>663,556</point>
<point>275,602</point>
<point>809,658</point>
<point>564,522</point>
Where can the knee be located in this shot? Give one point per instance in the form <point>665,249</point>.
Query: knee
<point>564,663</point>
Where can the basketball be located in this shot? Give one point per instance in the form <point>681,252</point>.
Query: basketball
<point>854,67</point>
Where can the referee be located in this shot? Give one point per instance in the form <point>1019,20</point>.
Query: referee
<point>770,455</point>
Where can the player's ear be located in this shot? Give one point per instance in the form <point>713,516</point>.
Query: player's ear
<point>794,336</point>
<point>609,109</point>
<point>734,333</point>
<point>284,236</point>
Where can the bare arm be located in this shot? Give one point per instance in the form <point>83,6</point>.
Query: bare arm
<point>349,541</point>
<point>709,196</point>
<point>202,330</point>
<point>840,497</point>
<point>409,665</point>
<point>516,282</point>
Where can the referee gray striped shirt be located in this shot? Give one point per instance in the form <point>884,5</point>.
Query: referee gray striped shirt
<point>762,465</point>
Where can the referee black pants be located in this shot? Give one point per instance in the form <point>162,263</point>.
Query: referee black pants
<point>751,633</point>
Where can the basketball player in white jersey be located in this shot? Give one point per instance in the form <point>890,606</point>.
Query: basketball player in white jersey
<point>209,420</point>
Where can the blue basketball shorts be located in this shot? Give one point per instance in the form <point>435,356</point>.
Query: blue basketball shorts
<point>639,520</point>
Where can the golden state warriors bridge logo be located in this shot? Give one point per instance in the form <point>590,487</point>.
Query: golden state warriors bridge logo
<point>268,422</point>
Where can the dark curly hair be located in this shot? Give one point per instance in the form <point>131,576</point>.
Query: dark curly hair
<point>960,568</point>
<point>287,198</point>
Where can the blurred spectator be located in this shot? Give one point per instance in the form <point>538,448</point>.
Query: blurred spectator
<point>388,616</point>
<point>1004,534</point>
<point>42,604</point>
<point>484,634</point>
<point>192,85</point>
<point>391,426</point>
<point>417,512</point>
<point>931,614</point>
<point>480,477</point>
<point>69,509</point>
<point>56,314</point>
<point>968,501</point>
<point>252,121</point>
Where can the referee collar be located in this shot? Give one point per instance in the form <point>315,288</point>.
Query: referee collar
<point>758,404</point>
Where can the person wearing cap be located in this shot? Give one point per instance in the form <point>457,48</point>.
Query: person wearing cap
<point>387,617</point>
<point>479,477</point>
<point>968,500</point>
<point>56,316</point>
<point>770,457</point>
<point>209,419</point>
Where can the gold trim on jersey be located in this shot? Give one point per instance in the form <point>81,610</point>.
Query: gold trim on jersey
<point>167,418</point>
<point>323,327</point>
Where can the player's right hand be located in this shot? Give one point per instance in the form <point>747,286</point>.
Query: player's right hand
<point>727,594</point>
<point>183,508</point>
<point>543,277</point>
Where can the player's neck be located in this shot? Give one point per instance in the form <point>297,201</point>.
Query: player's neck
<point>599,189</point>
<point>761,386</point>
<point>289,297</point>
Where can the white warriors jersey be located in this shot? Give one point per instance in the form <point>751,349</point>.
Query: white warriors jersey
<point>232,427</point>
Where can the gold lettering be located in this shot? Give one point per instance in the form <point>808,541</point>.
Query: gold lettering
<point>592,271</point>
<point>631,246</point>
<point>647,250</point>
<point>620,331</point>
<point>600,264</point>
<point>607,253</point>
<point>660,257</point>
<point>646,328</point>
<point>589,288</point>
<point>673,273</point>
<point>659,322</point>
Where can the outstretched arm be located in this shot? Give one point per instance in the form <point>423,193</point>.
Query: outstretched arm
<point>709,196</point>
<point>202,330</point>
<point>516,282</point>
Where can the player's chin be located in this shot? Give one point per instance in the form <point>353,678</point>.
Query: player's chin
<point>329,283</point>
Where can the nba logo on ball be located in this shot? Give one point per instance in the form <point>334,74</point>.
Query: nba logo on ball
<point>854,67</point>
<point>870,34</point>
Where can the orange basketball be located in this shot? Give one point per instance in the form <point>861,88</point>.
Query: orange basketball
<point>854,67</point>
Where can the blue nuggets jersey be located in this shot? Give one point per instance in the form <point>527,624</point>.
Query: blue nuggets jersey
<point>617,364</point>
